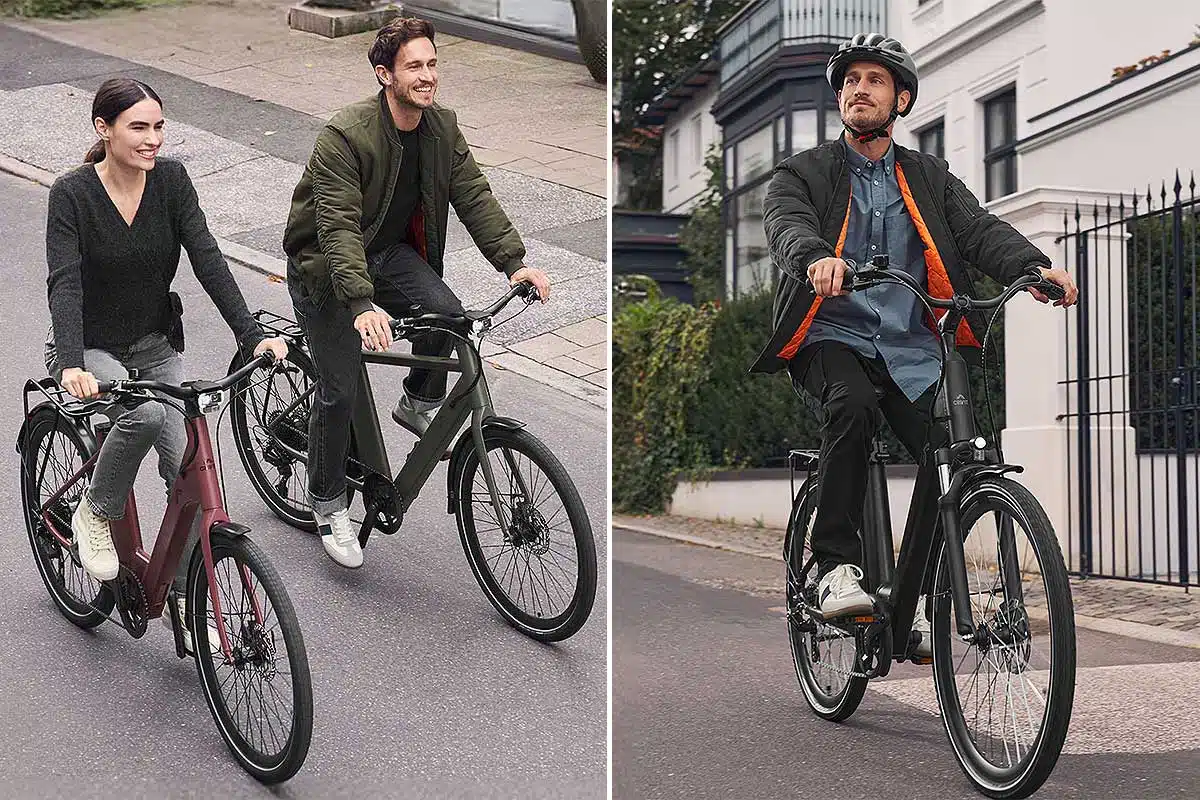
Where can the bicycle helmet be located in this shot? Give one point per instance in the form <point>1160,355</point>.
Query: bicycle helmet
<point>886,52</point>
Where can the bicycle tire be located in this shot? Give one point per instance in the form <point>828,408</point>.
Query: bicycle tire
<point>54,563</point>
<point>831,703</point>
<point>1023,778</point>
<point>534,532</point>
<point>250,437</point>
<point>256,652</point>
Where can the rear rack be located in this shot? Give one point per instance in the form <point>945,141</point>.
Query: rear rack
<point>273,324</point>
<point>60,398</point>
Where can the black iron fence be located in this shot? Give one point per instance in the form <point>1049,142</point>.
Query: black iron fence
<point>1133,387</point>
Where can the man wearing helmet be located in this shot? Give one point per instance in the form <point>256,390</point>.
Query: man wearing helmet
<point>864,352</point>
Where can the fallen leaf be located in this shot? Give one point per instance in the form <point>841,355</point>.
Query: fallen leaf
<point>268,133</point>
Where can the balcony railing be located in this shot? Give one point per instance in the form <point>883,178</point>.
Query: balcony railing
<point>760,29</point>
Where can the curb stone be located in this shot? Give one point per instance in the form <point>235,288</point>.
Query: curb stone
<point>1133,630</point>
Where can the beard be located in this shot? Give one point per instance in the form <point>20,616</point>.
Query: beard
<point>865,118</point>
<point>406,96</point>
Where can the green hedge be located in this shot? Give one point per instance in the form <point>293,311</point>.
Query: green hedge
<point>63,8</point>
<point>683,400</point>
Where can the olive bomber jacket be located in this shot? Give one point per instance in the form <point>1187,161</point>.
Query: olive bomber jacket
<point>341,201</point>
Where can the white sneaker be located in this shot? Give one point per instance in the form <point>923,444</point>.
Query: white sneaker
<point>924,648</point>
<point>96,551</point>
<point>339,538</point>
<point>178,606</point>
<point>408,417</point>
<point>839,593</point>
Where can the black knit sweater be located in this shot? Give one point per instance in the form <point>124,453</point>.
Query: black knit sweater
<point>109,282</point>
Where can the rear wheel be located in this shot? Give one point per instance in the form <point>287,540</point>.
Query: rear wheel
<point>825,656</point>
<point>540,574</point>
<point>54,450</point>
<point>1007,695</point>
<point>266,415</point>
<point>261,696</point>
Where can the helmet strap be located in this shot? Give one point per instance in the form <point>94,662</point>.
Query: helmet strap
<point>862,137</point>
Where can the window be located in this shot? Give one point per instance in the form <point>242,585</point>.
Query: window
<point>697,154</point>
<point>804,129</point>
<point>754,155</point>
<point>833,124</point>
<point>752,262</point>
<point>932,139</point>
<point>999,137</point>
<point>672,165</point>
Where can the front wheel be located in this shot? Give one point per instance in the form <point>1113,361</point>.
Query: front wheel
<point>1006,695</point>
<point>260,694</point>
<point>825,656</point>
<point>539,568</point>
<point>270,418</point>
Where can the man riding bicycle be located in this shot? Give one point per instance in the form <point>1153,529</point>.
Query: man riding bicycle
<point>368,227</point>
<point>859,353</point>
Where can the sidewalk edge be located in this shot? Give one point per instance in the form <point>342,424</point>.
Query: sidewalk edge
<point>1118,627</point>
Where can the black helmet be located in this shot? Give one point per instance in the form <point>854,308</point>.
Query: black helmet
<point>877,49</point>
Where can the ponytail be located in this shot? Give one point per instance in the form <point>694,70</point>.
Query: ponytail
<point>96,154</point>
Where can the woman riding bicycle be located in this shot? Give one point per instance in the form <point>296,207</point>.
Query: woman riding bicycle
<point>113,235</point>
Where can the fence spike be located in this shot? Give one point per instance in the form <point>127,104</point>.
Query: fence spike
<point>1121,206</point>
<point>1077,216</point>
<point>1192,184</point>
<point>1149,200</point>
<point>1163,194</point>
<point>1178,186</point>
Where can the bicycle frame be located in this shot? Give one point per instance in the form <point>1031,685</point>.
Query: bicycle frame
<point>468,399</point>
<point>941,476</point>
<point>195,497</point>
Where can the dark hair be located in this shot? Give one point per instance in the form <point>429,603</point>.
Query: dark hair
<point>393,36</point>
<point>115,96</point>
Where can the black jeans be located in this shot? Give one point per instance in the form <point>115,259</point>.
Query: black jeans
<point>852,391</point>
<point>402,279</point>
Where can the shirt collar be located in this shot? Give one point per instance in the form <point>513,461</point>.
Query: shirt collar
<point>859,163</point>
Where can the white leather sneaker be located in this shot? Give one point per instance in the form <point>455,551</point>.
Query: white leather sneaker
<point>178,606</point>
<point>339,538</point>
<point>839,593</point>
<point>94,537</point>
<point>924,648</point>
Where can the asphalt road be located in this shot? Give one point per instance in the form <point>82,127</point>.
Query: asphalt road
<point>420,688</point>
<point>706,703</point>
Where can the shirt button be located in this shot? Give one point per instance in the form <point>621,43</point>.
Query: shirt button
<point>869,165</point>
<point>877,213</point>
<point>872,247</point>
<point>877,336</point>
<point>876,183</point>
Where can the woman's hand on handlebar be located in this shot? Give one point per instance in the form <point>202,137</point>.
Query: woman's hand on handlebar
<point>827,276</point>
<point>1060,278</point>
<point>539,279</point>
<point>80,383</point>
<point>276,346</point>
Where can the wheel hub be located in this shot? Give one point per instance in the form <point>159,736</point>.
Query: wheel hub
<point>528,528</point>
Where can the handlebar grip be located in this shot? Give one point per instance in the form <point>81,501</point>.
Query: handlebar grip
<point>104,387</point>
<point>1051,290</point>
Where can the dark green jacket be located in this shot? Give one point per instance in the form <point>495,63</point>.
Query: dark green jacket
<point>342,199</point>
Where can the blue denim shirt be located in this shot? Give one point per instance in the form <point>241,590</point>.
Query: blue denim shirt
<point>885,320</point>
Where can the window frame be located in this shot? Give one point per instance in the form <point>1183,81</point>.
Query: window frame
<point>938,127</point>
<point>1005,152</point>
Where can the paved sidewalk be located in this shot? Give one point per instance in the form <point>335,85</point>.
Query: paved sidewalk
<point>1163,614</point>
<point>530,114</point>
<point>245,139</point>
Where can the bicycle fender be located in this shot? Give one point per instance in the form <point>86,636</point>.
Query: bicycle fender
<point>968,475</point>
<point>46,408</point>
<point>458,456</point>
<point>801,496</point>
<point>229,528</point>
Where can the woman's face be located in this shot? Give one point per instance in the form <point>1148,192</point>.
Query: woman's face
<point>135,136</point>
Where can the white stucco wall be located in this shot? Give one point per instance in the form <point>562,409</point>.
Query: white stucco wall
<point>684,175</point>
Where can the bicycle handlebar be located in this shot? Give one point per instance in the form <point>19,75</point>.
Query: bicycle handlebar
<point>191,389</point>
<point>878,273</point>
<point>524,289</point>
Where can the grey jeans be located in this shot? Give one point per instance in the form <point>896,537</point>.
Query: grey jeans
<point>134,431</point>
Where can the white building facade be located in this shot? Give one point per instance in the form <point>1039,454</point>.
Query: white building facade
<point>1038,105</point>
